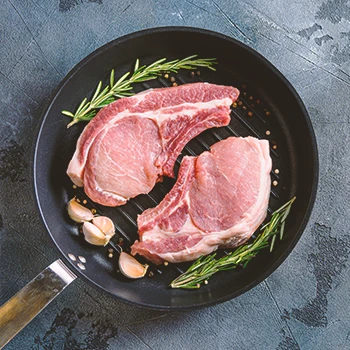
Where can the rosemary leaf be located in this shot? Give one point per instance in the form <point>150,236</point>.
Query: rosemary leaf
<point>122,88</point>
<point>282,230</point>
<point>272,243</point>
<point>69,114</point>
<point>111,79</point>
<point>120,80</point>
<point>82,104</point>
<point>98,89</point>
<point>205,267</point>
<point>137,64</point>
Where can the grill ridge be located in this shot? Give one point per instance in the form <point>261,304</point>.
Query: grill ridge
<point>241,98</point>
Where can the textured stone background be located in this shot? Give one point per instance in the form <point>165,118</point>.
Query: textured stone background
<point>305,303</point>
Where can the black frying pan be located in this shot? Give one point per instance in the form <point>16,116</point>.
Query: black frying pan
<point>276,110</point>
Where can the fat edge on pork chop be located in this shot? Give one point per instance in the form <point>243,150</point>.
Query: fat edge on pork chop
<point>133,142</point>
<point>219,199</point>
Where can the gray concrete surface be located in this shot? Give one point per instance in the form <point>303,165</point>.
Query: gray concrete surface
<point>302,305</point>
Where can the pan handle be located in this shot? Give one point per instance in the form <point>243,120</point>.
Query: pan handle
<point>16,313</point>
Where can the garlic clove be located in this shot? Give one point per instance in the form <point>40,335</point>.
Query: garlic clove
<point>130,267</point>
<point>105,224</point>
<point>77,212</point>
<point>93,234</point>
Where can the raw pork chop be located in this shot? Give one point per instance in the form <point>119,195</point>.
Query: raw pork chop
<point>219,199</point>
<point>133,142</point>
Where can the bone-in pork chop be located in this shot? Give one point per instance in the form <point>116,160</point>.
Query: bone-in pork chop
<point>133,142</point>
<point>219,199</point>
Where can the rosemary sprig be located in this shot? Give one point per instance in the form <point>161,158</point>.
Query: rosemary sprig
<point>122,88</point>
<point>205,267</point>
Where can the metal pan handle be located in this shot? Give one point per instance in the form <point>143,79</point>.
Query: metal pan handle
<point>16,313</point>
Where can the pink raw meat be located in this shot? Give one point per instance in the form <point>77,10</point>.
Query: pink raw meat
<point>219,199</point>
<point>133,142</point>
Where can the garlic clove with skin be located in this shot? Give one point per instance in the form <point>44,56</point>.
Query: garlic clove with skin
<point>130,267</point>
<point>77,212</point>
<point>105,225</point>
<point>94,235</point>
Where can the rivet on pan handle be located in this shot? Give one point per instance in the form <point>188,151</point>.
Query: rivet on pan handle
<point>16,313</point>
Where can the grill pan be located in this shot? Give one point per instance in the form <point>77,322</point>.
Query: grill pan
<point>268,108</point>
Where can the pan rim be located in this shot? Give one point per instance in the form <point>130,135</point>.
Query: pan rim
<point>274,70</point>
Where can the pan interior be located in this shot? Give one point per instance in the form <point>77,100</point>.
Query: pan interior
<point>268,108</point>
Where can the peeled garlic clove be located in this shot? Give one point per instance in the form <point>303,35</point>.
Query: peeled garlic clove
<point>130,267</point>
<point>105,224</point>
<point>77,212</point>
<point>93,234</point>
